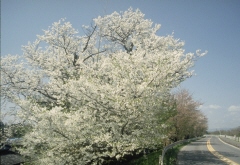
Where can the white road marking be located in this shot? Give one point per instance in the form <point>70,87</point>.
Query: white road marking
<point>229,144</point>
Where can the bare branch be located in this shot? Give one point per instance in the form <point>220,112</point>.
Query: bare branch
<point>89,37</point>
<point>93,55</point>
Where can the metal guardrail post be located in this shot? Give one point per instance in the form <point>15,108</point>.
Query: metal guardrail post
<point>160,160</point>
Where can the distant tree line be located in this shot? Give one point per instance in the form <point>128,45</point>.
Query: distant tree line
<point>229,132</point>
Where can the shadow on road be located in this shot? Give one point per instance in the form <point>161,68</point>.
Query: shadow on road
<point>198,157</point>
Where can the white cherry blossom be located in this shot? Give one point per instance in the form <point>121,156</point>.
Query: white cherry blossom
<point>97,97</point>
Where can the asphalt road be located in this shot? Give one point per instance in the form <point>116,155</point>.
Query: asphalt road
<point>10,158</point>
<point>216,152</point>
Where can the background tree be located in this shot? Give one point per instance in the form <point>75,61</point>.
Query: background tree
<point>99,97</point>
<point>189,121</point>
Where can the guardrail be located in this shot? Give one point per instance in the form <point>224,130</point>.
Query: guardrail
<point>161,157</point>
<point>235,138</point>
<point>232,140</point>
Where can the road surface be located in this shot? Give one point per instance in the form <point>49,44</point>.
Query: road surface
<point>208,151</point>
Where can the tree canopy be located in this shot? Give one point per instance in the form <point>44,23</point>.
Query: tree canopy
<point>99,96</point>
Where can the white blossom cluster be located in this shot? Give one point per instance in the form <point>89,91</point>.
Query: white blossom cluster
<point>97,97</point>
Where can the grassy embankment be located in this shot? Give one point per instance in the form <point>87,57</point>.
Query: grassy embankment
<point>170,157</point>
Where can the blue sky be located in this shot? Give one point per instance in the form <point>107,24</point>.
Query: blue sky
<point>207,25</point>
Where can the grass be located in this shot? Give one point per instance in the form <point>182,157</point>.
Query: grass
<point>170,157</point>
<point>150,159</point>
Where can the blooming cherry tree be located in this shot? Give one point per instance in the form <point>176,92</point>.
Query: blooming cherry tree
<point>95,98</point>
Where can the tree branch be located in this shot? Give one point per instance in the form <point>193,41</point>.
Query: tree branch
<point>89,37</point>
<point>93,55</point>
<point>60,133</point>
